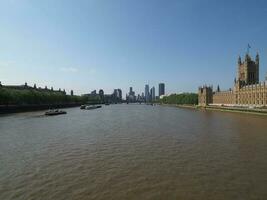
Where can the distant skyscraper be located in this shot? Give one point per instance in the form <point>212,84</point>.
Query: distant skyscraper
<point>117,94</point>
<point>139,98</point>
<point>147,93</point>
<point>153,95</point>
<point>131,96</point>
<point>161,89</point>
<point>120,94</point>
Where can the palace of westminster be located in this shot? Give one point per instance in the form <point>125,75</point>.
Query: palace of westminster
<point>247,90</point>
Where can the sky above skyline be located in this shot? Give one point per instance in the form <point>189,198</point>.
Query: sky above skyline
<point>105,44</point>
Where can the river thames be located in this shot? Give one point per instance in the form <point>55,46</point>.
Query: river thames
<point>133,152</point>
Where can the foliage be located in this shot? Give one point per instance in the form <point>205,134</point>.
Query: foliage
<point>33,96</point>
<point>184,98</point>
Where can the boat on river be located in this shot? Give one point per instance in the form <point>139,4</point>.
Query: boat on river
<point>92,107</point>
<point>55,112</point>
<point>83,107</point>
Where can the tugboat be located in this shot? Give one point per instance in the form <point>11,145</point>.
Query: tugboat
<point>55,112</point>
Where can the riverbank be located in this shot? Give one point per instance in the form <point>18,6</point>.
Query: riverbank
<point>255,111</point>
<point>6,109</point>
<point>181,106</point>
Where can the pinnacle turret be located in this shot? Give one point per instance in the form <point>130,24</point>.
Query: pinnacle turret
<point>257,59</point>
<point>239,60</point>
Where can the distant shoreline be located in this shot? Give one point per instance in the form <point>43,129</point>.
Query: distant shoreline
<point>8,109</point>
<point>254,111</point>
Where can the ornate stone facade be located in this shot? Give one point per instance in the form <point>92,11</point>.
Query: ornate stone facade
<point>224,97</point>
<point>205,95</point>
<point>247,90</point>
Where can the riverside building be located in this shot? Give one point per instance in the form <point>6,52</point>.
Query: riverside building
<point>161,89</point>
<point>247,90</point>
<point>34,87</point>
<point>147,93</point>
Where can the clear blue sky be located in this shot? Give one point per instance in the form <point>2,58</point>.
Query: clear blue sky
<point>92,44</point>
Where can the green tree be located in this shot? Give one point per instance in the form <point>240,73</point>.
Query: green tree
<point>184,98</point>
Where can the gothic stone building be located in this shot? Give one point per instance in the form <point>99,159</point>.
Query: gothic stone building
<point>247,90</point>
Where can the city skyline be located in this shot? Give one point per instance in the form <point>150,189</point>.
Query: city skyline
<point>119,44</point>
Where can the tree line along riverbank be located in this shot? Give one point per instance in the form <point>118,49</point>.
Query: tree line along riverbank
<point>180,99</point>
<point>35,97</point>
<point>25,98</point>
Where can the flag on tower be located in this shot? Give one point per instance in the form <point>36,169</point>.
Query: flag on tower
<point>248,49</point>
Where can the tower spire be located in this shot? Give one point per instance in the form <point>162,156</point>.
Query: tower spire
<point>239,60</point>
<point>257,58</point>
<point>218,88</point>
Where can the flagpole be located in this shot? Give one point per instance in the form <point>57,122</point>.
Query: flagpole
<point>248,49</point>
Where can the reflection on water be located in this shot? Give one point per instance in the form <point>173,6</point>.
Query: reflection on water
<point>133,152</point>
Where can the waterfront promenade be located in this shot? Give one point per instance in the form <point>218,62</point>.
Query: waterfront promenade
<point>244,110</point>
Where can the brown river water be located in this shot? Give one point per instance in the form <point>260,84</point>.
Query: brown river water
<point>133,152</point>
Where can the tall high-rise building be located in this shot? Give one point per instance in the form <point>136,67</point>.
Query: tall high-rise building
<point>139,98</point>
<point>120,94</point>
<point>147,93</point>
<point>117,94</point>
<point>131,96</point>
<point>161,89</point>
<point>153,95</point>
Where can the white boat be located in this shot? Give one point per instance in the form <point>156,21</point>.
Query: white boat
<point>55,112</point>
